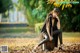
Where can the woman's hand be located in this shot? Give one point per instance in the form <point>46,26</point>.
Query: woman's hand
<point>56,16</point>
<point>51,38</point>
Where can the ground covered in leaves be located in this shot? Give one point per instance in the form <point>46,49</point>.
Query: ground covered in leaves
<point>22,44</point>
<point>25,45</point>
<point>73,48</point>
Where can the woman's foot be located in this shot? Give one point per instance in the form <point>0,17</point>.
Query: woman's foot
<point>34,49</point>
<point>60,47</point>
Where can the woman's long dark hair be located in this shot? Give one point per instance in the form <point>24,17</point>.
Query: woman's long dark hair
<point>49,18</point>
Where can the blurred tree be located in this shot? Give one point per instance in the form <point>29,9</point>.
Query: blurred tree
<point>5,5</point>
<point>36,11</point>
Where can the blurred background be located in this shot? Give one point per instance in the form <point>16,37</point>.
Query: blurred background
<point>22,19</point>
<point>24,13</point>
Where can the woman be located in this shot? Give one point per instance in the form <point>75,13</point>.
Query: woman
<point>51,29</point>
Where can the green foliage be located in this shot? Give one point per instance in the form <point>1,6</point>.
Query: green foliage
<point>5,5</point>
<point>38,27</point>
<point>36,11</point>
<point>70,18</point>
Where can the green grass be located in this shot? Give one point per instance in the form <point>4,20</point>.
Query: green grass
<point>71,34</point>
<point>19,32</point>
<point>15,29</point>
<point>18,35</point>
<point>34,35</point>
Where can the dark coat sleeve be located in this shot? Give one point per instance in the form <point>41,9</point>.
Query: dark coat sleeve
<point>48,19</point>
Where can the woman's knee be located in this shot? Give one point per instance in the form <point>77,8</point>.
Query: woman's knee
<point>45,36</point>
<point>59,32</point>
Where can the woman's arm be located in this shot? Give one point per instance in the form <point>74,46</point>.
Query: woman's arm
<point>58,23</point>
<point>48,30</point>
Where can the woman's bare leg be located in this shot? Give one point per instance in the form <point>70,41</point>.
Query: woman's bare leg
<point>46,38</point>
